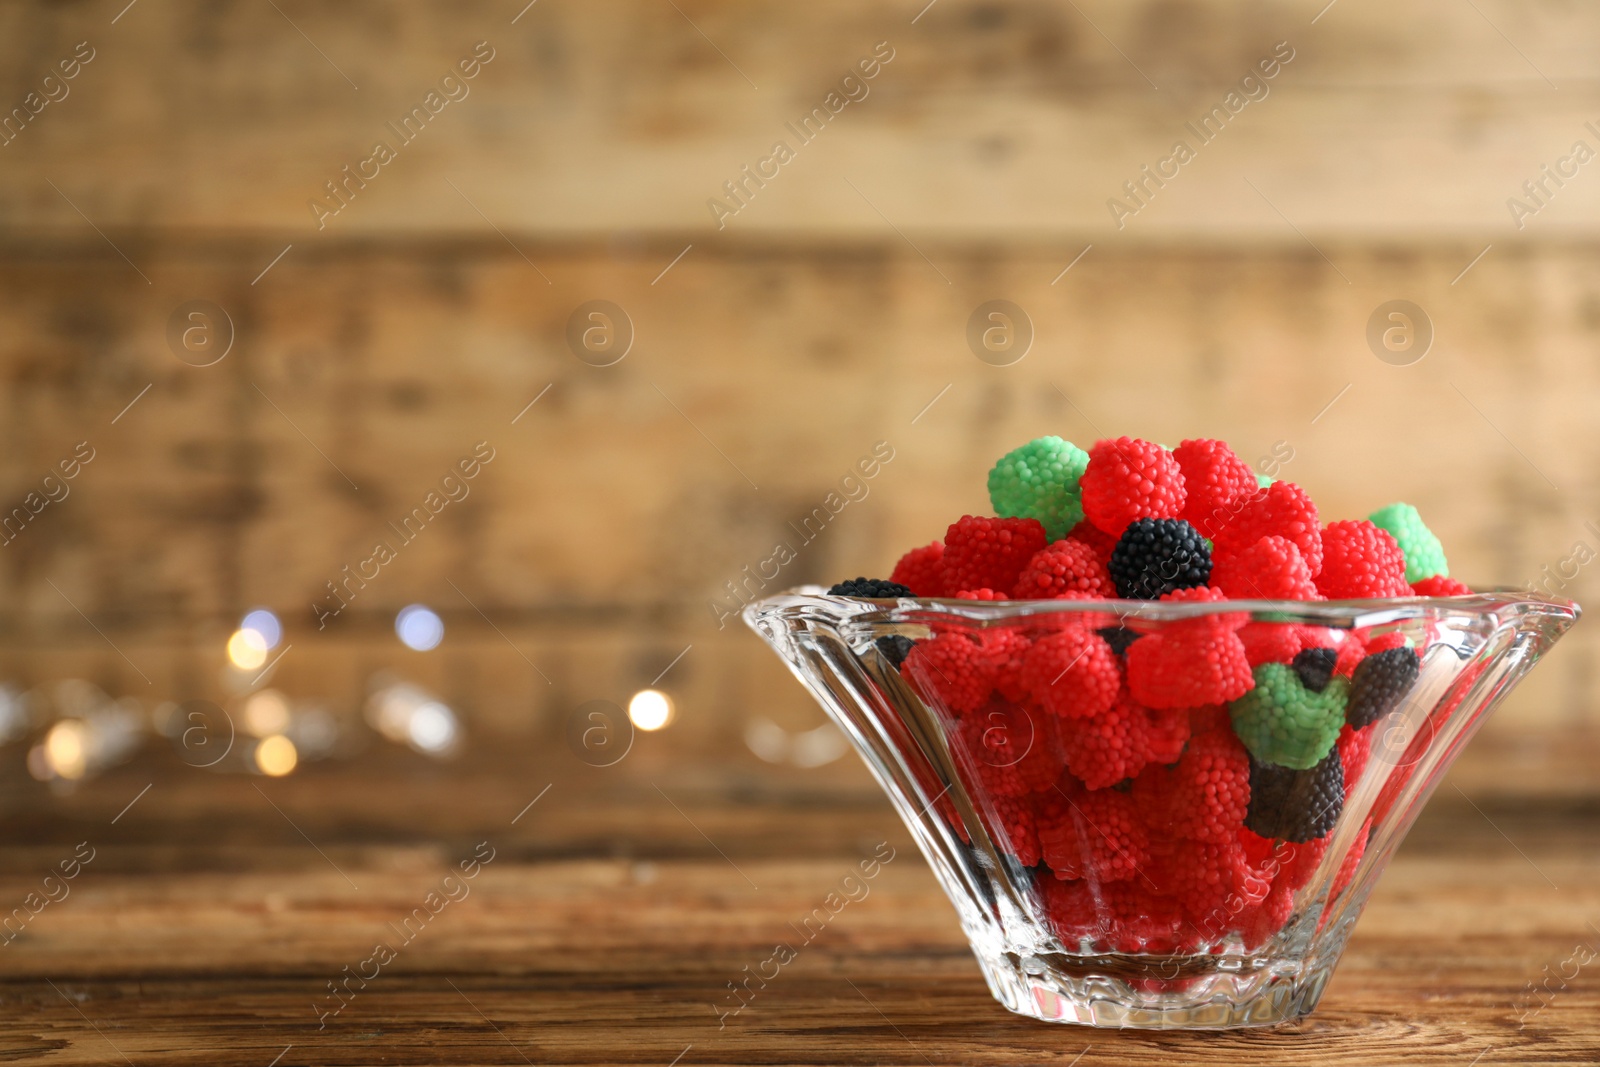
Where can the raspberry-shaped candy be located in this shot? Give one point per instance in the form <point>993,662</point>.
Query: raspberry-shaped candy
<point>1281,510</point>
<point>1209,717</point>
<point>1096,835</point>
<point>1165,734</point>
<point>1384,642</point>
<point>1155,556</point>
<point>1258,924</point>
<point>1347,866</point>
<point>950,671</point>
<point>1296,806</point>
<point>1297,863</point>
<point>1007,649</point>
<point>1359,561</point>
<point>1204,594</point>
<point>983,553</point>
<point>1129,479</point>
<point>1355,749</point>
<point>1315,667</point>
<point>1439,585</point>
<point>1061,845</point>
<point>1211,788</point>
<point>1380,683</point>
<point>1070,911</point>
<point>1211,880</point>
<point>1270,569</point>
<point>1118,847</point>
<point>1351,651</point>
<point>1184,667</point>
<point>1137,920</point>
<point>1072,673</point>
<point>1014,752</point>
<point>1087,533</point>
<point>869,588</point>
<point>1216,483</point>
<point>1107,748</point>
<point>1013,828</point>
<point>1152,795</point>
<point>1270,642</point>
<point>1040,481</point>
<point>1062,568</point>
<point>980,594</point>
<point>1283,723</point>
<point>921,570</point>
<point>1423,553</point>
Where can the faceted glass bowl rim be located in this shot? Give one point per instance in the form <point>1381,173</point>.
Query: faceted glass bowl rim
<point>1341,614</point>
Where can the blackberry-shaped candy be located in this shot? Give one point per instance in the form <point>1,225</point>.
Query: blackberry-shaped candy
<point>1315,667</point>
<point>1379,683</point>
<point>869,587</point>
<point>1119,638</point>
<point>1295,806</point>
<point>895,648</point>
<point>1155,556</point>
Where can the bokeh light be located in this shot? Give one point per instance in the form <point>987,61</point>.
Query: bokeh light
<point>64,749</point>
<point>264,623</point>
<point>276,756</point>
<point>650,709</point>
<point>266,713</point>
<point>419,628</point>
<point>432,728</point>
<point>247,650</point>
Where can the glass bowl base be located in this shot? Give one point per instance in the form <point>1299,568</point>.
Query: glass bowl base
<point>1210,992</point>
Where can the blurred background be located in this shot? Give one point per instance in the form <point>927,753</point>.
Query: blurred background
<point>395,392</point>
<point>275,341</point>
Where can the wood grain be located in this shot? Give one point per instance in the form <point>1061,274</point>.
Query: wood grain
<point>1008,118</point>
<point>618,508</point>
<point>608,923</point>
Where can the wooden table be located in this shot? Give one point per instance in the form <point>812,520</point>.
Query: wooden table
<point>217,911</point>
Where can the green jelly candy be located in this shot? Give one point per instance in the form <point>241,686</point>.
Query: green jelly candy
<point>1424,554</point>
<point>1283,723</point>
<point>1040,481</point>
<point>1262,481</point>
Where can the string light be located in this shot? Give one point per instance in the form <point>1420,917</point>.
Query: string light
<point>266,713</point>
<point>419,628</point>
<point>650,709</point>
<point>64,749</point>
<point>264,623</point>
<point>276,756</point>
<point>247,650</point>
<point>408,714</point>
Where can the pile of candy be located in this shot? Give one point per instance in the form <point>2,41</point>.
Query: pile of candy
<point>1171,784</point>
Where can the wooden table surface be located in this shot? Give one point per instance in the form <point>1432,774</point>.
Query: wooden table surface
<point>611,915</point>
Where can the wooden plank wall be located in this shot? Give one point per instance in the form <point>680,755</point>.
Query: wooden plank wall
<point>823,318</point>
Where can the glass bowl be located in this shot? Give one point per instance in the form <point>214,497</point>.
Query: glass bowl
<point>1118,854</point>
